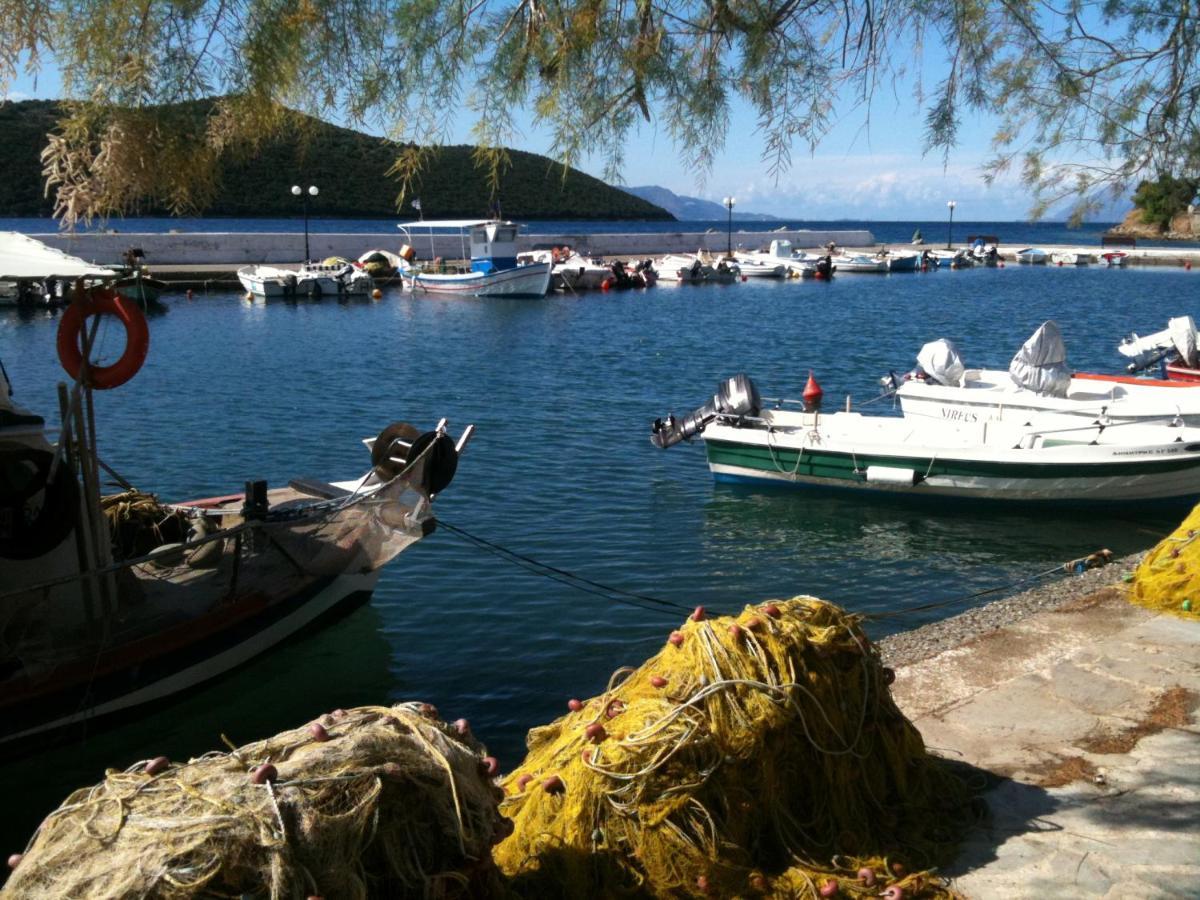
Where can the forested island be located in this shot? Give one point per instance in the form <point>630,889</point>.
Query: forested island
<point>349,167</point>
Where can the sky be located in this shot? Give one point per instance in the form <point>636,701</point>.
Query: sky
<point>871,165</point>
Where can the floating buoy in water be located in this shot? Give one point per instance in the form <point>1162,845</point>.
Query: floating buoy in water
<point>697,614</point>
<point>189,293</point>
<point>156,765</point>
<point>574,705</point>
<point>249,296</point>
<point>1187,264</point>
<point>745,277</point>
<point>376,294</point>
<point>812,392</point>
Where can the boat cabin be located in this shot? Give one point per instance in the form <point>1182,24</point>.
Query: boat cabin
<point>491,245</point>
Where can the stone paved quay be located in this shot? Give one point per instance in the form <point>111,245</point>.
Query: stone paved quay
<point>1082,722</point>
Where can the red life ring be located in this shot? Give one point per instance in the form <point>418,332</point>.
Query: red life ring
<point>100,302</point>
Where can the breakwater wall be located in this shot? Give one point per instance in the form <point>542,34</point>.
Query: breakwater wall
<point>243,248</point>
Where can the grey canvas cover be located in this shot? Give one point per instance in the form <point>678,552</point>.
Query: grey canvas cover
<point>941,362</point>
<point>1041,363</point>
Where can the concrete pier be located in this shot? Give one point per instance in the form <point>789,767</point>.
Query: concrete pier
<point>233,249</point>
<point>1084,721</point>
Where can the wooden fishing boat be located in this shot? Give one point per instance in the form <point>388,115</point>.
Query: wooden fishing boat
<point>111,603</point>
<point>900,457</point>
<point>494,270</point>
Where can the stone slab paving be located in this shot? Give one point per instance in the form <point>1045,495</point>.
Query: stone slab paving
<point>1084,722</point>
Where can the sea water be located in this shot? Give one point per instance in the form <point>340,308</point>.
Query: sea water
<point>562,392</point>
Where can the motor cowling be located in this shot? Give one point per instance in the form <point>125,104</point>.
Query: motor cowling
<point>735,396</point>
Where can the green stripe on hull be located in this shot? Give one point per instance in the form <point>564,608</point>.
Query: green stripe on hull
<point>835,465</point>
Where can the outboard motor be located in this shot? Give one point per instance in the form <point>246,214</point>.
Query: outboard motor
<point>825,266</point>
<point>736,396</point>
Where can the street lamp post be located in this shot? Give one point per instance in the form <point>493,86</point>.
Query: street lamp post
<point>728,203</point>
<point>298,191</point>
<point>950,204</point>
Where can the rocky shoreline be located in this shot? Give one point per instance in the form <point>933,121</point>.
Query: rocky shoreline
<point>908,647</point>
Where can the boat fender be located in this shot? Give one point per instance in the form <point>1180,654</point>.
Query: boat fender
<point>29,532</point>
<point>893,475</point>
<point>390,452</point>
<point>440,458</point>
<point>100,302</point>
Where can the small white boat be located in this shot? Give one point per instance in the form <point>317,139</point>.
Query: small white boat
<point>860,262</point>
<point>493,271</point>
<point>700,268</point>
<point>1070,258</point>
<point>797,263</point>
<point>1081,463</point>
<point>755,268</point>
<point>1038,386</point>
<point>901,262</point>
<point>953,259</point>
<point>1116,258</point>
<point>570,270</point>
<point>328,278</point>
<point>1032,256</point>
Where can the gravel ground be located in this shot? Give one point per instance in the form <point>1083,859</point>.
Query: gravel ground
<point>929,640</point>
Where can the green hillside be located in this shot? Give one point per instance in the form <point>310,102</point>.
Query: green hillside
<point>348,167</point>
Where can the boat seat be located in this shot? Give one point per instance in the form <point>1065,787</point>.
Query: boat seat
<point>314,488</point>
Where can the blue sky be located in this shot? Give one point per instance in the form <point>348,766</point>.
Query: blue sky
<point>870,165</point>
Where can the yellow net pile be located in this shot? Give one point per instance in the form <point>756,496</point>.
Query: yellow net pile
<point>761,755</point>
<point>1168,579</point>
<point>375,801</point>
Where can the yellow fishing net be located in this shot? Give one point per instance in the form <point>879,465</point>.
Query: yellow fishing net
<point>756,755</point>
<point>1168,579</point>
<point>370,802</point>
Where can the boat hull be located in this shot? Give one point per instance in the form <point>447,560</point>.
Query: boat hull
<point>531,281</point>
<point>272,283</point>
<point>1075,474</point>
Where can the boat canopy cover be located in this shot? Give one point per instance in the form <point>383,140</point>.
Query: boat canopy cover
<point>1041,363</point>
<point>24,259</point>
<point>941,362</point>
<point>1183,336</point>
<point>445,223</point>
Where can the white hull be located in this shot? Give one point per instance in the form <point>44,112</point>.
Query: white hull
<point>271,281</point>
<point>992,396</point>
<point>989,461</point>
<point>864,264</point>
<point>1070,258</point>
<point>1031,256</point>
<point>524,281</point>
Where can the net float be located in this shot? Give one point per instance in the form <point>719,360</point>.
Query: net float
<point>866,875</point>
<point>318,732</point>
<point>462,727</point>
<point>523,780</point>
<point>614,708</point>
<point>772,610</point>
<point>554,785</point>
<point>338,714</point>
<point>428,710</point>
<point>758,883</point>
<point>14,859</point>
<point>899,869</point>
<point>735,631</point>
<point>676,639</point>
<point>697,614</point>
<point>829,888</point>
<point>889,675</point>
<point>894,892</point>
<point>489,766</point>
<point>156,765</point>
<point>264,774</point>
<point>703,885</point>
<point>586,755</point>
<point>754,623</point>
<point>658,681</point>
<point>574,705</point>
<point>595,733</point>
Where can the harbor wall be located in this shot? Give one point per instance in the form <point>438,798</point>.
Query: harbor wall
<point>244,248</point>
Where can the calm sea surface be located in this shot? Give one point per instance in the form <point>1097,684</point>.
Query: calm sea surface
<point>563,392</point>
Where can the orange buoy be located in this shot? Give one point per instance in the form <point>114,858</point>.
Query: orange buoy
<point>1187,264</point>
<point>812,392</point>
<point>103,302</point>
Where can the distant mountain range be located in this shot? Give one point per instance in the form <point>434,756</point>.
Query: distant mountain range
<point>692,209</point>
